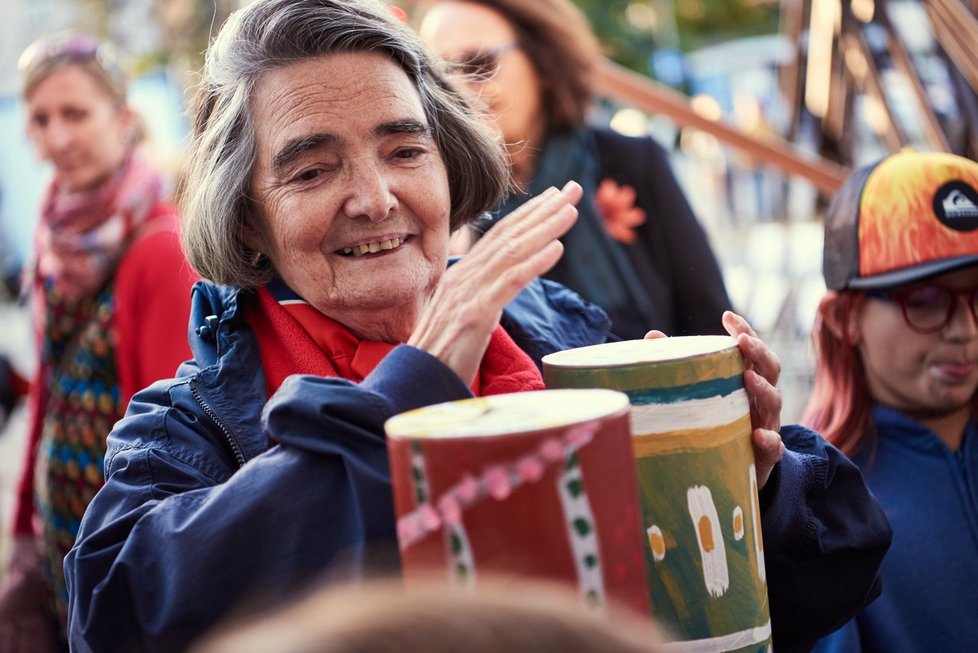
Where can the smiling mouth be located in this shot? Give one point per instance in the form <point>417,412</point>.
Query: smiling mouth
<point>372,248</point>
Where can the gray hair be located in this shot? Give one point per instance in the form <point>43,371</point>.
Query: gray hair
<point>215,191</point>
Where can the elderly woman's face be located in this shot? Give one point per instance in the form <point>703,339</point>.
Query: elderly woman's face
<point>351,189</point>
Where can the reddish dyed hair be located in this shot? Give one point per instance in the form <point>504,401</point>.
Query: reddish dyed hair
<point>841,405</point>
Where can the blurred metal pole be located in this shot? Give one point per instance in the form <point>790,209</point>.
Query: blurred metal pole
<point>902,61</point>
<point>793,23</point>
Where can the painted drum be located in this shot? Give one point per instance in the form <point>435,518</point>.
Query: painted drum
<point>697,483</point>
<point>538,484</point>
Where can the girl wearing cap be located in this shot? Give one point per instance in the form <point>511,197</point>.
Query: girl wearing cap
<point>895,388</point>
<point>111,293</point>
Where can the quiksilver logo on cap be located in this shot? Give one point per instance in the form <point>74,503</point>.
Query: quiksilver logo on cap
<point>956,206</point>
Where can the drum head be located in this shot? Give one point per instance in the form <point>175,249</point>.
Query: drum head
<point>507,414</point>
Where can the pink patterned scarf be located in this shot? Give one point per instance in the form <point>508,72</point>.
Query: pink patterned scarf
<point>82,234</point>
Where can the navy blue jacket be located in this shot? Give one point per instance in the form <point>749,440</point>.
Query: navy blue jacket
<point>930,575</point>
<point>218,496</point>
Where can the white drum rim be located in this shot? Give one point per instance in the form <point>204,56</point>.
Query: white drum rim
<point>633,353</point>
<point>466,418</point>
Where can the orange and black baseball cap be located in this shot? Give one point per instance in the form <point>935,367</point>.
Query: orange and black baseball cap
<point>908,217</point>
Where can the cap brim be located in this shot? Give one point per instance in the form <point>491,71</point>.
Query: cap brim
<point>916,273</point>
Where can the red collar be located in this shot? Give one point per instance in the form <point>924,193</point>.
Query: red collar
<point>295,338</point>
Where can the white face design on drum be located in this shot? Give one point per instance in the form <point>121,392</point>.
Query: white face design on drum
<point>351,189</point>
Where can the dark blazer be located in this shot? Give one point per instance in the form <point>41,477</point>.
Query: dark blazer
<point>671,256</point>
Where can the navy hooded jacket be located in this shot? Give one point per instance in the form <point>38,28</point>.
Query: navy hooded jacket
<point>217,496</point>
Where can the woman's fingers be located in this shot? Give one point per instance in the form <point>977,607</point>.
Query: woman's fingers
<point>765,401</point>
<point>763,369</point>
<point>459,318</point>
<point>768,451</point>
<point>757,355</point>
<point>532,218</point>
<point>735,324</point>
<point>520,247</point>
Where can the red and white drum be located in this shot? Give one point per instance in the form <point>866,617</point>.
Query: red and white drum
<point>538,484</point>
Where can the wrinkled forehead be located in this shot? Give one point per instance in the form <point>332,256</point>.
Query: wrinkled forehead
<point>340,99</point>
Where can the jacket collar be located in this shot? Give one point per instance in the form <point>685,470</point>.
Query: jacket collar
<point>544,318</point>
<point>230,381</point>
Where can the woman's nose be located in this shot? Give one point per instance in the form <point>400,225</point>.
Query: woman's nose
<point>370,193</point>
<point>56,136</point>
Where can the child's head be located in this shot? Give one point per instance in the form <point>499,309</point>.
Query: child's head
<point>899,324</point>
<point>435,617</point>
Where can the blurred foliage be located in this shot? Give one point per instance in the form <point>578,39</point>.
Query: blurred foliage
<point>187,27</point>
<point>631,30</point>
<point>621,40</point>
<point>704,22</point>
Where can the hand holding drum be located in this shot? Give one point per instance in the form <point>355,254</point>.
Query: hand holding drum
<point>761,371</point>
<point>704,418</point>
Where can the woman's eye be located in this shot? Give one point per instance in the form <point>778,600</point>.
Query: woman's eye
<point>308,175</point>
<point>925,296</point>
<point>408,153</point>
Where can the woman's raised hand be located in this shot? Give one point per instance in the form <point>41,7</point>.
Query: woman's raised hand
<point>458,320</point>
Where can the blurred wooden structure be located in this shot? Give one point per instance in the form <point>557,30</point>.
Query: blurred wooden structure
<point>843,48</point>
<point>619,83</point>
<point>835,59</point>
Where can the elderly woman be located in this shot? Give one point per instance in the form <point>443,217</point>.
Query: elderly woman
<point>329,164</point>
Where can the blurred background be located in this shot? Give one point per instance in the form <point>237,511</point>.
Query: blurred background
<point>765,105</point>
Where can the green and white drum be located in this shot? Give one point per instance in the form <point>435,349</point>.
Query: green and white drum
<point>697,482</point>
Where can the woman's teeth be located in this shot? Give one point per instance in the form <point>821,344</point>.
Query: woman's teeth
<point>372,248</point>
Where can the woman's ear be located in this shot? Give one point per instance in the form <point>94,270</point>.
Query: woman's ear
<point>251,236</point>
<point>838,311</point>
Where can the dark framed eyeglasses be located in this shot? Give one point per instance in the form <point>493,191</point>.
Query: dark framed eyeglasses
<point>928,308</point>
<point>480,65</point>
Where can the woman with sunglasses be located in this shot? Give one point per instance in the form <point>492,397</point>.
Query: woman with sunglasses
<point>637,250</point>
<point>895,388</point>
<point>111,295</point>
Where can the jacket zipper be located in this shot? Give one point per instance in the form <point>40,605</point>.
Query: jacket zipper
<point>235,449</point>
